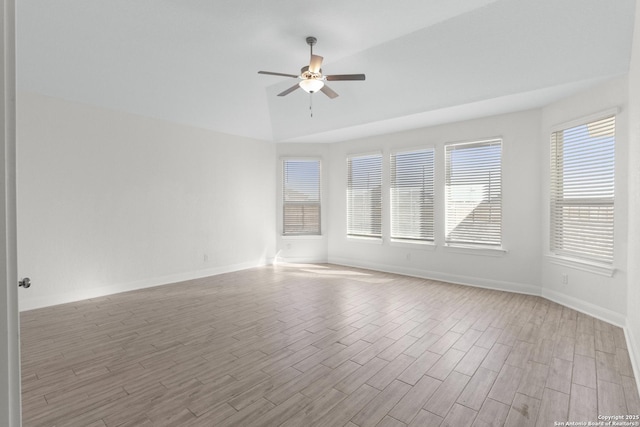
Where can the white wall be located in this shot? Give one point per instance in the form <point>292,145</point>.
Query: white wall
<point>109,201</point>
<point>596,294</point>
<point>518,269</point>
<point>633,275</point>
<point>303,248</point>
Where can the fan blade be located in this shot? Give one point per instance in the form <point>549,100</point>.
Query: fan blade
<point>316,62</point>
<point>328,91</point>
<point>277,74</point>
<point>288,91</point>
<point>345,77</point>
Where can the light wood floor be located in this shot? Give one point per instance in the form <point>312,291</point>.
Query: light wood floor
<point>320,345</point>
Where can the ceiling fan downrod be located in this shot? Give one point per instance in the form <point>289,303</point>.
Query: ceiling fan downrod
<point>311,41</point>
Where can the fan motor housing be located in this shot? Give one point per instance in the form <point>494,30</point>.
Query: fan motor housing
<point>306,74</point>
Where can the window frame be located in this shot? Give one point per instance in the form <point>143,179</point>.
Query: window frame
<point>285,203</point>
<point>589,264</point>
<point>414,240</point>
<point>364,236</point>
<point>466,246</point>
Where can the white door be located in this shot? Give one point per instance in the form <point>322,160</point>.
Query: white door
<point>9,322</point>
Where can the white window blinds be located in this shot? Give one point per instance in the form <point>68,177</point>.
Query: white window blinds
<point>582,191</point>
<point>364,195</point>
<point>412,195</point>
<point>301,197</point>
<point>473,193</point>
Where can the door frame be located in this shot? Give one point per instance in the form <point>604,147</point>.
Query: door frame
<point>10,404</point>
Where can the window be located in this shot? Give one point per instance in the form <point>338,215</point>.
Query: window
<point>301,197</point>
<point>582,191</point>
<point>412,195</point>
<point>473,193</point>
<point>364,196</point>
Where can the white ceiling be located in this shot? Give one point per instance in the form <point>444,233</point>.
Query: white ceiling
<point>427,61</point>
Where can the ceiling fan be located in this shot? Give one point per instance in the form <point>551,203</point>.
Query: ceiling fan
<point>311,77</point>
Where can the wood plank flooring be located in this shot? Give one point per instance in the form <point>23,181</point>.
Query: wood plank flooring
<point>320,345</point>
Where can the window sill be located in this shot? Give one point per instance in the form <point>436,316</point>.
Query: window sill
<point>428,246</point>
<point>590,267</point>
<point>476,250</point>
<point>302,236</point>
<point>364,239</point>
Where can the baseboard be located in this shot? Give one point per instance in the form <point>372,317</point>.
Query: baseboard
<point>634,353</point>
<point>300,260</point>
<point>41,302</point>
<point>585,307</point>
<point>499,285</point>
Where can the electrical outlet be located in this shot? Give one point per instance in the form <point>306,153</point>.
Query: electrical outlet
<point>408,256</point>
<point>565,278</point>
<point>205,258</point>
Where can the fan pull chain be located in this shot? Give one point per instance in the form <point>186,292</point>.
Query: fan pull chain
<point>311,105</point>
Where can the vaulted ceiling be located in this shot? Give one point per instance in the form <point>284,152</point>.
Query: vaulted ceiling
<point>427,61</point>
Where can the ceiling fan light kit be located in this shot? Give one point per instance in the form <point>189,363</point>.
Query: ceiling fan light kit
<point>311,78</point>
<point>311,85</point>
